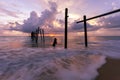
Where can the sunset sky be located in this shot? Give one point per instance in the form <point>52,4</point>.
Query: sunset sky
<point>23,16</point>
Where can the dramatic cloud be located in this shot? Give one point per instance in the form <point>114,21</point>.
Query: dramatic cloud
<point>52,16</point>
<point>80,27</point>
<point>110,22</point>
<point>107,24</point>
<point>47,20</point>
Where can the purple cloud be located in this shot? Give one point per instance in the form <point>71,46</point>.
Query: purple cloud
<point>107,22</point>
<point>110,22</point>
<point>80,27</point>
<point>34,21</point>
<point>48,16</point>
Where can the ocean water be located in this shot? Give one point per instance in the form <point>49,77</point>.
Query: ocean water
<point>22,59</point>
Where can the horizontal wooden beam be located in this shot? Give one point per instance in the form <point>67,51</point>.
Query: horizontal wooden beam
<point>118,10</point>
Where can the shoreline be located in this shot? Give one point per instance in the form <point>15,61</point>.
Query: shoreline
<point>110,70</point>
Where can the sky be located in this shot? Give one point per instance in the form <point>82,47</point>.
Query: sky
<point>20,17</point>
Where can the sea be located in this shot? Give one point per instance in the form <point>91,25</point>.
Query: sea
<point>24,59</point>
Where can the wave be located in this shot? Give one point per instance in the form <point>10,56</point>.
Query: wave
<point>109,48</point>
<point>55,63</point>
<point>49,64</point>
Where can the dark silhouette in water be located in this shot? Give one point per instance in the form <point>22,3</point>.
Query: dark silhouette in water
<point>32,35</point>
<point>66,28</point>
<point>54,42</point>
<point>36,35</point>
<point>33,39</point>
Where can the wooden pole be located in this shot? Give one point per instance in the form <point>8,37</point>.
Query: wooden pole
<point>41,34</point>
<point>85,31</point>
<point>43,37</point>
<point>66,20</point>
<point>101,15</point>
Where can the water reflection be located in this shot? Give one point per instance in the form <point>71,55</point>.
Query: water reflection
<point>45,44</point>
<point>74,42</point>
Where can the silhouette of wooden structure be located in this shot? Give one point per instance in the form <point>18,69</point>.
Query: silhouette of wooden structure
<point>85,21</point>
<point>43,35</point>
<point>108,13</point>
<point>66,28</point>
<point>85,31</point>
<point>41,32</point>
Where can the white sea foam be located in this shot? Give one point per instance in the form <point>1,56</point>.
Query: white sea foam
<point>109,48</point>
<point>55,64</point>
<point>49,64</point>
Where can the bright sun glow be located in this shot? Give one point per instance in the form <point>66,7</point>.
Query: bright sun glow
<point>74,16</point>
<point>53,35</point>
<point>56,24</point>
<point>93,22</point>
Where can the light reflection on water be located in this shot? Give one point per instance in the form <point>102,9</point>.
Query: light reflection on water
<point>28,63</point>
<point>19,42</point>
<point>73,42</point>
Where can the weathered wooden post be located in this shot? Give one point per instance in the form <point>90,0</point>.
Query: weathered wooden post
<point>85,25</point>
<point>85,31</point>
<point>66,25</point>
<point>43,37</point>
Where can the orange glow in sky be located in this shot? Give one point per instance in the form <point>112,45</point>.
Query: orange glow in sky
<point>93,22</point>
<point>56,24</point>
<point>12,11</point>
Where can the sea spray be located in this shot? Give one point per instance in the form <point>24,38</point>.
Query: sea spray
<point>49,64</point>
